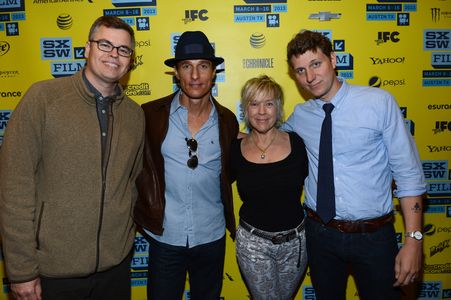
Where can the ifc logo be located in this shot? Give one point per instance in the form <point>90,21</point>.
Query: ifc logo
<point>257,40</point>
<point>64,21</point>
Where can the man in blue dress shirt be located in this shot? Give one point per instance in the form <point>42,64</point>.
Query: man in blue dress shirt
<point>371,147</point>
<point>185,200</point>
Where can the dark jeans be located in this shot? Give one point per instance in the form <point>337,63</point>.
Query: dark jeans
<point>169,264</point>
<point>113,284</point>
<point>370,257</point>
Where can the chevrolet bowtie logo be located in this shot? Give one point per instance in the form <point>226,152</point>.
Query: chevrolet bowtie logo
<point>325,16</point>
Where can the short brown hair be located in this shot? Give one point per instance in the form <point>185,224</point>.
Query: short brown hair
<point>112,22</point>
<point>307,40</point>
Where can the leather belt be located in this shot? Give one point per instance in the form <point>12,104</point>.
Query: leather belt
<point>359,226</point>
<point>277,237</point>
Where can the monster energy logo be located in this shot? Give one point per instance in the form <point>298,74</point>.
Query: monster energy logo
<point>435,13</point>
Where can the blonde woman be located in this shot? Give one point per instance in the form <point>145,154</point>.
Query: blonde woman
<point>269,166</point>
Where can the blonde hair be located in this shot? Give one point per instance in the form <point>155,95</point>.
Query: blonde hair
<point>262,85</point>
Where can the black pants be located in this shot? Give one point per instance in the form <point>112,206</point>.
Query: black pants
<point>370,257</point>
<point>113,284</point>
<point>168,266</point>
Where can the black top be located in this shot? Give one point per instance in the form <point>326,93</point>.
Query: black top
<point>271,192</point>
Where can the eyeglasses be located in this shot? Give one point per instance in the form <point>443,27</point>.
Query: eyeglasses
<point>192,152</point>
<point>106,46</point>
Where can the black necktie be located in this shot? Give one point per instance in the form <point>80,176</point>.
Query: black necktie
<point>325,200</point>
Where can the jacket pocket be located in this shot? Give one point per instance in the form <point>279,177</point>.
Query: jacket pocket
<point>38,227</point>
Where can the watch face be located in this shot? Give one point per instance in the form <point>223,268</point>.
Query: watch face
<point>417,235</point>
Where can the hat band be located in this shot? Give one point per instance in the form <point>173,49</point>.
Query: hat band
<point>193,48</point>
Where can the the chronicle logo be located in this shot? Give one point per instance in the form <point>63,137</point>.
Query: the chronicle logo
<point>257,40</point>
<point>388,60</point>
<point>376,81</point>
<point>386,36</point>
<point>64,21</point>
<point>194,14</point>
<point>4,47</point>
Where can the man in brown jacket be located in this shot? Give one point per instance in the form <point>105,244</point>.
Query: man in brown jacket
<point>185,200</point>
<point>68,164</point>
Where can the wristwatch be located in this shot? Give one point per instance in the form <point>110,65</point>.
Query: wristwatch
<point>415,235</point>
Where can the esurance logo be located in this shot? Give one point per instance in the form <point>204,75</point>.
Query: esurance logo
<point>56,48</point>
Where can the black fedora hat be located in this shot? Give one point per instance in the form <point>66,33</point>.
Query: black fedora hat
<point>193,45</point>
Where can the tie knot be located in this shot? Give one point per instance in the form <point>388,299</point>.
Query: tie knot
<point>328,107</point>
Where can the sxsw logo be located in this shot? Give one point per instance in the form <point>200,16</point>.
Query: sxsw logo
<point>386,36</point>
<point>429,290</point>
<point>56,48</point>
<point>435,169</point>
<point>308,293</point>
<point>437,39</point>
<point>4,118</point>
<point>192,15</point>
<point>12,5</point>
<point>345,61</point>
<point>441,60</point>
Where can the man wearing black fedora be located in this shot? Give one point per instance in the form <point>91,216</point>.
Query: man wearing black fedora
<point>185,198</point>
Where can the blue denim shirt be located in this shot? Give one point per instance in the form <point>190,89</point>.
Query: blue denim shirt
<point>194,213</point>
<point>371,147</point>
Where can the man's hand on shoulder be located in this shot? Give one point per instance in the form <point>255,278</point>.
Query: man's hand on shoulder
<point>30,290</point>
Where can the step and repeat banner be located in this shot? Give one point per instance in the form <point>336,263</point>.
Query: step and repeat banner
<point>401,46</point>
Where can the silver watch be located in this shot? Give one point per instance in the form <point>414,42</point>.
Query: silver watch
<point>415,235</point>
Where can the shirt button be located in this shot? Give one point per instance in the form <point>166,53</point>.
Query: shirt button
<point>103,111</point>
<point>103,133</point>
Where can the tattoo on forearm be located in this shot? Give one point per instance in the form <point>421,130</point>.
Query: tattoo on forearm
<point>416,208</point>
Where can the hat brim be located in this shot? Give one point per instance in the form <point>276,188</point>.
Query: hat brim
<point>171,62</point>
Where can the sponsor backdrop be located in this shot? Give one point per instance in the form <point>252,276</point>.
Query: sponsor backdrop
<point>401,46</point>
